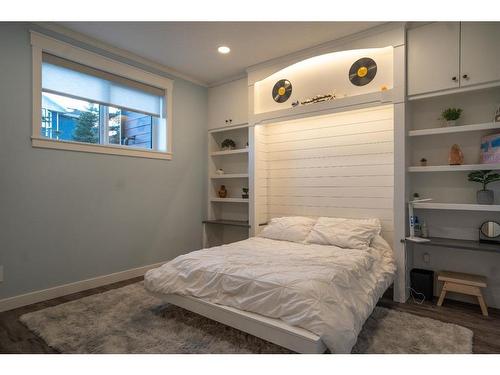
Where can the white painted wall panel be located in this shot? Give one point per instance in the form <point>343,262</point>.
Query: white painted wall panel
<point>341,150</point>
<point>339,165</point>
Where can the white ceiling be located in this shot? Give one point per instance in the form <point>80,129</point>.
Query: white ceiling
<point>191,47</point>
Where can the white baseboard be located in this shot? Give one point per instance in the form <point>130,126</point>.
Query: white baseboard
<point>78,286</point>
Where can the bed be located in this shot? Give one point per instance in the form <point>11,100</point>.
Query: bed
<point>307,297</point>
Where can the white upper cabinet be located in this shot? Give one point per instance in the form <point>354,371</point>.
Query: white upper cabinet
<point>228,104</point>
<point>480,55</point>
<point>433,57</point>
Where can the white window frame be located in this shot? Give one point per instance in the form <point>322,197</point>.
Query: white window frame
<point>41,43</point>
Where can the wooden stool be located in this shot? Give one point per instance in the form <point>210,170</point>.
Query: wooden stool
<point>463,283</point>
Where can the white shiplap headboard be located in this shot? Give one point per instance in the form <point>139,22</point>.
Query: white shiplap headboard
<point>337,165</point>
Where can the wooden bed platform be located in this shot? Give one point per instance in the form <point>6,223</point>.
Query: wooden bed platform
<point>269,329</point>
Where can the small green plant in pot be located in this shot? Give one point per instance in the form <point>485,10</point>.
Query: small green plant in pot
<point>451,115</point>
<point>228,144</point>
<point>485,177</point>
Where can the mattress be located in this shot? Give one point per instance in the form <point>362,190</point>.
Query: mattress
<point>327,290</point>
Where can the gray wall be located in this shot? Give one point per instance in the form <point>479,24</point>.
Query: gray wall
<point>67,216</point>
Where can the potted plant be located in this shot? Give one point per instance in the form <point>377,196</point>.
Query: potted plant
<point>451,115</point>
<point>485,177</point>
<point>228,144</point>
<point>245,193</point>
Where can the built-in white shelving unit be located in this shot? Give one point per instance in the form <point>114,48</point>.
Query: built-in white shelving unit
<point>453,217</point>
<point>229,152</point>
<point>458,206</point>
<point>454,129</point>
<point>234,223</point>
<point>229,200</point>
<point>455,168</point>
<point>227,218</point>
<point>230,175</point>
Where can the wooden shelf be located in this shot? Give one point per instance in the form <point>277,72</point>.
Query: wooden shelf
<point>229,200</point>
<point>230,152</point>
<point>234,223</point>
<point>455,168</point>
<point>460,244</point>
<point>458,206</point>
<point>230,175</point>
<point>455,129</point>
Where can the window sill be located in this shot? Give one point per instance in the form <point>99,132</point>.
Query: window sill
<point>99,149</point>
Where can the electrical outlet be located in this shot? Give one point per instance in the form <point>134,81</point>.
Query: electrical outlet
<point>427,258</point>
<point>1,274</point>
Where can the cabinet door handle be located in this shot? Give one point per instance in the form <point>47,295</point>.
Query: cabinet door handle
<point>465,76</point>
<point>454,79</point>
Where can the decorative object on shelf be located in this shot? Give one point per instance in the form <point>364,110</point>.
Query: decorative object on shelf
<point>423,162</point>
<point>412,220</point>
<point>490,149</point>
<point>295,103</point>
<point>497,114</point>
<point>417,227</point>
<point>246,145</point>
<point>362,71</point>
<point>489,232</point>
<point>456,156</point>
<point>319,99</point>
<point>282,91</point>
<point>245,193</point>
<point>384,88</point>
<point>416,195</point>
<point>228,144</point>
<point>222,192</point>
<point>451,115</point>
<point>485,177</point>
<point>424,232</point>
<point>219,172</point>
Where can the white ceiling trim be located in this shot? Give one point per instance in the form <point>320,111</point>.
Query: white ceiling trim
<point>117,51</point>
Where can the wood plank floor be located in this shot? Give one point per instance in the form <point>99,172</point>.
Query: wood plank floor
<point>16,338</point>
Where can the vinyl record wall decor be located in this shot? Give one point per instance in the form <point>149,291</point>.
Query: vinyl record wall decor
<point>363,71</point>
<point>282,91</point>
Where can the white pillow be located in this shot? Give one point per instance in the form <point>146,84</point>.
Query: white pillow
<point>346,233</point>
<point>289,228</point>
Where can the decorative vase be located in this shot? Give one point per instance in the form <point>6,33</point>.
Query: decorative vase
<point>485,197</point>
<point>219,172</point>
<point>451,123</point>
<point>456,156</point>
<point>222,192</point>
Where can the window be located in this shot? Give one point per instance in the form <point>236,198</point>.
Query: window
<point>90,103</point>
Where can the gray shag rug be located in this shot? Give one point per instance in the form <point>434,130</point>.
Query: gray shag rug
<point>129,320</point>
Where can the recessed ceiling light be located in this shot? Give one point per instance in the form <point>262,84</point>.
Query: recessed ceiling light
<point>224,49</point>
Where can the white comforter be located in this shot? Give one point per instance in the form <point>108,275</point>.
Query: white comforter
<point>327,290</point>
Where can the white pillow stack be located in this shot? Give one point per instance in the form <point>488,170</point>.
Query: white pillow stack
<point>346,233</point>
<point>290,228</point>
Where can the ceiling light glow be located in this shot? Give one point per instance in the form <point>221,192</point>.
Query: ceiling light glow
<point>224,49</point>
